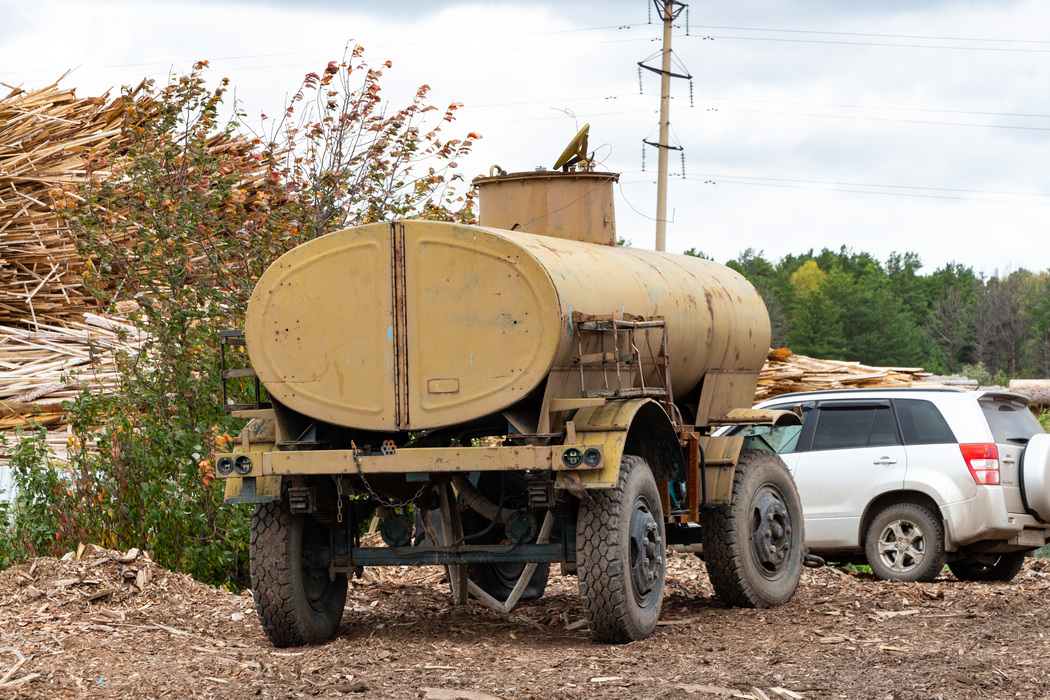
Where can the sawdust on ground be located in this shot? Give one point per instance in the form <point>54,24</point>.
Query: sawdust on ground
<point>116,625</point>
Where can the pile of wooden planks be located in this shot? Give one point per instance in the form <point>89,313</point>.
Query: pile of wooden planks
<point>46,138</point>
<point>42,367</point>
<point>785,372</point>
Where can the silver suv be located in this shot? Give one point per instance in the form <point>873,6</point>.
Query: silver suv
<point>907,480</point>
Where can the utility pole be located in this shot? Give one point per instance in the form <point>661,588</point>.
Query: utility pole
<point>668,11</point>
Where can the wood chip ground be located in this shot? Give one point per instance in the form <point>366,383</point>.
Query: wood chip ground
<point>85,629</point>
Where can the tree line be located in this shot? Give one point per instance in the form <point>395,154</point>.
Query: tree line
<point>845,305</point>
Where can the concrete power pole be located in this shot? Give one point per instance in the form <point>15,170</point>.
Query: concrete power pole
<point>668,11</point>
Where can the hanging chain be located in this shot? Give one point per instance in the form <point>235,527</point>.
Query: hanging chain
<point>339,499</point>
<point>382,501</point>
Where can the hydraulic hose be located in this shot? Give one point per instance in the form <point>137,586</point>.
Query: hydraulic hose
<point>476,501</point>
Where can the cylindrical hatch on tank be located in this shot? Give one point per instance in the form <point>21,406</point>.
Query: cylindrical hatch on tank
<point>576,205</point>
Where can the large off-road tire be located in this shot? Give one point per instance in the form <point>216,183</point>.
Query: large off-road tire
<point>296,601</point>
<point>621,556</point>
<point>753,547</point>
<point>989,567</point>
<point>905,542</point>
<point>498,580</point>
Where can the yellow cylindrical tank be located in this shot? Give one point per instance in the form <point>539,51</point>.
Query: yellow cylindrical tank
<point>415,324</point>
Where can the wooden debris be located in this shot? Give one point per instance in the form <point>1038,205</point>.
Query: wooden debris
<point>785,372</point>
<point>1037,390</point>
<point>455,694</point>
<point>708,689</point>
<point>47,137</point>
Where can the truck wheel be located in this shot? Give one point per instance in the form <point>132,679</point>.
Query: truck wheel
<point>498,580</point>
<point>989,567</point>
<point>296,601</point>
<point>905,542</point>
<point>753,547</point>
<point>621,556</point>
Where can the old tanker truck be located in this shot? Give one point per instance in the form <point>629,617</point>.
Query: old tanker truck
<point>505,397</point>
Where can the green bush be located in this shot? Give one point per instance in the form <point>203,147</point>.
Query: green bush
<point>33,517</point>
<point>177,220</point>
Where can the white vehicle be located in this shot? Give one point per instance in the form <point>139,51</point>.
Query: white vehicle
<point>907,480</point>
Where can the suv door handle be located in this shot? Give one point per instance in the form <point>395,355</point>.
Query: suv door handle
<point>884,461</point>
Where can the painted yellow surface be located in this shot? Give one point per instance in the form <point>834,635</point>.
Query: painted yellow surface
<point>481,323</point>
<point>416,324</point>
<point>320,329</point>
<point>417,459</point>
<point>612,413</point>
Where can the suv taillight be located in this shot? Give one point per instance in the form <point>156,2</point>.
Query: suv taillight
<point>983,462</point>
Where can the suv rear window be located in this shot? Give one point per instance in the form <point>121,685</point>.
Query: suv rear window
<point>1009,420</point>
<point>922,423</point>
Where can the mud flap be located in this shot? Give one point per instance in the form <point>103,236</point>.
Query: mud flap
<point>252,489</point>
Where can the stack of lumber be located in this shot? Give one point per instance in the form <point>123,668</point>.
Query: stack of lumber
<point>785,372</point>
<point>52,339</point>
<point>1037,390</point>
<point>41,368</point>
<point>46,138</point>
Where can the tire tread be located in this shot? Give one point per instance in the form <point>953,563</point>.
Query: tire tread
<point>279,609</point>
<point>603,589</point>
<point>726,542</point>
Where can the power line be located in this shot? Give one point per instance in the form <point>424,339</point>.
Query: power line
<point>877,36</point>
<point>621,26</point>
<point>832,186</point>
<point>372,49</point>
<point>886,119</point>
<point>872,43</point>
<point>894,109</point>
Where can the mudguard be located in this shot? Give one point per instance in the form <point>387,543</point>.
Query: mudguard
<point>252,489</point>
<point>636,426</point>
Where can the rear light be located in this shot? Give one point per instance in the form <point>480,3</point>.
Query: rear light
<point>983,461</point>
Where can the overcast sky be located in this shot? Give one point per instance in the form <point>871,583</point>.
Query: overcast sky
<point>919,125</point>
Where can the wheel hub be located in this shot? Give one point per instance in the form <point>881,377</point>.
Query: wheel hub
<point>647,550</point>
<point>770,530</point>
<point>314,563</point>
<point>901,546</point>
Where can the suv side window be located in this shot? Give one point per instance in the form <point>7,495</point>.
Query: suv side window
<point>854,426</point>
<point>922,423</point>
<point>883,431</point>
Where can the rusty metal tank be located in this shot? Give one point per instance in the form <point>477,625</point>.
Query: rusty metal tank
<point>414,324</point>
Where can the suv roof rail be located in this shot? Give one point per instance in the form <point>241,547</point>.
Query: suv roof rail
<point>880,390</point>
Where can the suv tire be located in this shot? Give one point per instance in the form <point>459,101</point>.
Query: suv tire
<point>905,542</point>
<point>1002,568</point>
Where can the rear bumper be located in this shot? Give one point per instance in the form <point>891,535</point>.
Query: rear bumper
<point>985,521</point>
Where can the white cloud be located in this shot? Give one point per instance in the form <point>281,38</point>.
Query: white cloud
<point>804,120</point>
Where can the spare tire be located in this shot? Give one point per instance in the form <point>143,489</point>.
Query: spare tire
<point>1034,476</point>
